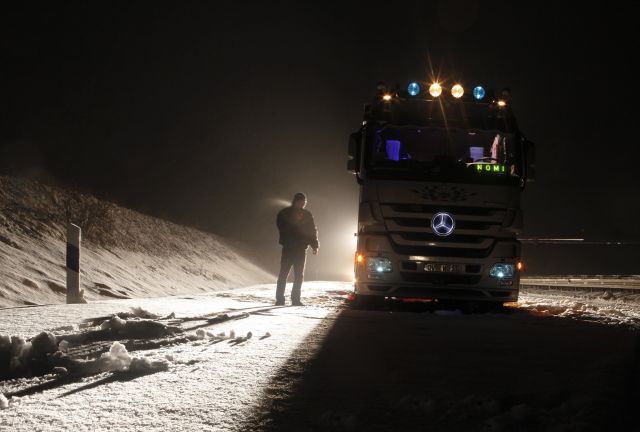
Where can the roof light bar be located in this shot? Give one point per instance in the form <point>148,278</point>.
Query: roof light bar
<point>413,89</point>
<point>479,93</point>
<point>435,89</point>
<point>457,91</point>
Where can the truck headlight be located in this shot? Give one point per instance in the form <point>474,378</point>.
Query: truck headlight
<point>502,271</point>
<point>378,265</point>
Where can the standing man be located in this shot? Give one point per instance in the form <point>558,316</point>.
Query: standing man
<point>297,232</point>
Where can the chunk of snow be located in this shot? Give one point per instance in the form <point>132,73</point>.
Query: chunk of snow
<point>4,403</point>
<point>59,370</point>
<point>144,364</point>
<point>118,357</point>
<point>115,323</point>
<point>15,353</point>
<point>143,313</point>
<point>232,334</point>
<point>63,346</point>
<point>44,343</point>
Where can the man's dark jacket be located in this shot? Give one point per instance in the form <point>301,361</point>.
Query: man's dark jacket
<point>297,228</point>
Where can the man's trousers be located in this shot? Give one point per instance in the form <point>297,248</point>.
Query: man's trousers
<point>295,257</point>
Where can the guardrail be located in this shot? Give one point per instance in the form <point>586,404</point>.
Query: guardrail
<point>581,284</point>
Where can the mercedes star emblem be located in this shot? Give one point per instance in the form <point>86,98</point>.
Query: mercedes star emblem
<point>442,224</point>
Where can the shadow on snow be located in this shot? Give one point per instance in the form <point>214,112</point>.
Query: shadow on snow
<point>416,368</point>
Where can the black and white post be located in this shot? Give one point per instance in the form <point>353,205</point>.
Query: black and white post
<point>73,264</point>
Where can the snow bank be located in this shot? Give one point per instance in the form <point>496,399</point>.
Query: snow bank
<point>46,353</point>
<point>125,254</point>
<point>620,309</point>
<point>118,359</point>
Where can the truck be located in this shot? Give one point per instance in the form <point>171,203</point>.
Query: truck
<point>441,169</point>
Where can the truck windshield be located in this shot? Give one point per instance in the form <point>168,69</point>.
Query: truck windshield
<point>463,155</point>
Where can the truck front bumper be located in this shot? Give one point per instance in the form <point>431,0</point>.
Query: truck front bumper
<point>470,281</point>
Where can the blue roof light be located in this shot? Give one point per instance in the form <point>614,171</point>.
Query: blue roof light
<point>413,89</point>
<point>479,92</point>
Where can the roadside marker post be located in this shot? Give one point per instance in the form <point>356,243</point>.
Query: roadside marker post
<point>74,234</point>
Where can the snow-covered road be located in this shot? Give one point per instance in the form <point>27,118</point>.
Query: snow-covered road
<point>210,384</point>
<point>550,363</point>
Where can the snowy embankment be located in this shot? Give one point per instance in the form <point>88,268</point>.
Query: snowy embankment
<point>125,254</point>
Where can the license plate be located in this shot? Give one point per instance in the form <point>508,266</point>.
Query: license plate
<point>441,268</point>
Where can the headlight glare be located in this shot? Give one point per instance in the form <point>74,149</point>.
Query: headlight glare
<point>502,271</point>
<point>379,265</point>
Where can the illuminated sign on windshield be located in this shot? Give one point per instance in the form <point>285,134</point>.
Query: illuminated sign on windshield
<point>490,168</point>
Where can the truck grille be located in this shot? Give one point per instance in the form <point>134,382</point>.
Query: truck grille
<point>409,228</point>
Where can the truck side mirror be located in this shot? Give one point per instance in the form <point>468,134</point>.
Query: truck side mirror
<point>530,160</point>
<point>353,152</point>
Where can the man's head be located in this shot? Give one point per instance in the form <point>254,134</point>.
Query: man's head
<point>299,200</point>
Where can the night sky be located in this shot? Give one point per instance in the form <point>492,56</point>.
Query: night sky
<point>213,113</point>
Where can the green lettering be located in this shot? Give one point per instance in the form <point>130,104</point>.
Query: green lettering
<point>491,168</point>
